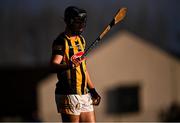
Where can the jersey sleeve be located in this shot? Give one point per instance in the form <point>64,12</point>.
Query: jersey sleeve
<point>58,46</point>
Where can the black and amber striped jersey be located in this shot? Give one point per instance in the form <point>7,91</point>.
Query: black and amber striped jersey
<point>71,81</point>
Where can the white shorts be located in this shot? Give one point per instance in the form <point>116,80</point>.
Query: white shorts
<point>74,104</point>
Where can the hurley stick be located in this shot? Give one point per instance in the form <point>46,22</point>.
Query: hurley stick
<point>117,18</point>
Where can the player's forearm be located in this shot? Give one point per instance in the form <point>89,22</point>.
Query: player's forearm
<point>58,67</point>
<point>89,82</point>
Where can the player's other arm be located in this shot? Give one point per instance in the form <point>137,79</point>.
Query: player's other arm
<point>95,96</point>
<point>57,56</point>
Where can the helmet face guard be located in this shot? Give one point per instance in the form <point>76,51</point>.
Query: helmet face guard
<point>75,19</point>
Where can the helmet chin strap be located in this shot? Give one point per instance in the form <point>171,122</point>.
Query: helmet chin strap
<point>76,33</point>
<point>71,32</point>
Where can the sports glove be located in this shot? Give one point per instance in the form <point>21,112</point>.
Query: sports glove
<point>96,98</point>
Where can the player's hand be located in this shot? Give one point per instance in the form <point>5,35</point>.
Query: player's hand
<point>96,98</point>
<point>76,59</point>
<point>76,62</point>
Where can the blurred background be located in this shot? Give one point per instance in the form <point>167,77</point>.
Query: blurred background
<point>135,68</point>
